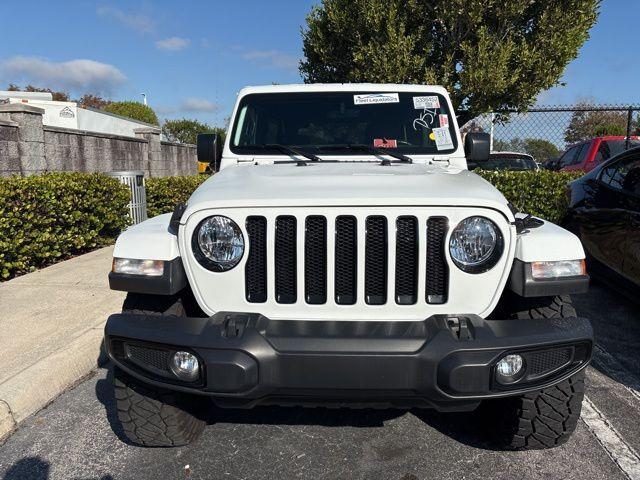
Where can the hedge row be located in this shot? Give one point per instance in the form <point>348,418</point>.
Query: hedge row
<point>163,193</point>
<point>541,193</point>
<point>49,217</point>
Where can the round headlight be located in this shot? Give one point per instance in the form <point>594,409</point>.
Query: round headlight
<point>476,245</point>
<point>218,243</point>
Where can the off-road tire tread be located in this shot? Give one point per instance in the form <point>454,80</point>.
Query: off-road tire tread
<point>542,419</point>
<point>153,417</point>
<point>147,304</point>
<point>545,418</point>
<point>539,307</point>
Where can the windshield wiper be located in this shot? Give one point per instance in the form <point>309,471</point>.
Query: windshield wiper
<point>285,149</point>
<point>382,151</point>
<point>293,151</point>
<point>371,150</point>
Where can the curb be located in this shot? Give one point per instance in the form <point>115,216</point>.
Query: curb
<point>35,387</point>
<point>7,423</point>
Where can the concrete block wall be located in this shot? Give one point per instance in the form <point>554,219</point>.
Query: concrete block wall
<point>27,148</point>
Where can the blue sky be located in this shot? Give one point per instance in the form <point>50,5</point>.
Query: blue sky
<point>191,57</point>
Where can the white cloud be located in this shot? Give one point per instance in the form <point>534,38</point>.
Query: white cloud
<point>79,75</point>
<point>190,105</point>
<point>272,58</point>
<point>193,104</point>
<point>173,44</point>
<point>136,21</point>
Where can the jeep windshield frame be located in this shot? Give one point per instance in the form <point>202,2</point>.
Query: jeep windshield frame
<point>401,122</point>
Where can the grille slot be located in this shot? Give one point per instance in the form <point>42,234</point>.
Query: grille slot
<point>315,260</point>
<point>346,260</point>
<point>406,260</point>
<point>375,261</point>
<point>285,260</point>
<point>256,267</point>
<point>437,277</point>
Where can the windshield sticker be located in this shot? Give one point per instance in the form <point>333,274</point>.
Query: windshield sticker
<point>443,138</point>
<point>421,103</point>
<point>425,120</point>
<point>373,98</point>
<point>444,120</point>
<point>385,143</point>
<point>432,136</point>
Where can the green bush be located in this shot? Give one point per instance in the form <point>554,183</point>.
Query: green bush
<point>135,110</point>
<point>49,217</point>
<point>164,192</point>
<point>541,193</point>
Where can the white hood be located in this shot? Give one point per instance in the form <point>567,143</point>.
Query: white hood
<point>345,184</point>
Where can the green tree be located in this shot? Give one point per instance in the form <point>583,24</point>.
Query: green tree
<point>538,148</point>
<point>57,96</point>
<point>587,124</point>
<point>186,130</point>
<point>89,100</point>
<point>489,54</point>
<point>135,110</point>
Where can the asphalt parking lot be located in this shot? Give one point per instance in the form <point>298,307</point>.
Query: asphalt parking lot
<point>73,437</point>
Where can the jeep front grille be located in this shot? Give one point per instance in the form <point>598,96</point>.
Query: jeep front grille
<point>313,234</point>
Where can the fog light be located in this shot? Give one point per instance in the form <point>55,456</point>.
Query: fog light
<point>509,368</point>
<point>185,366</point>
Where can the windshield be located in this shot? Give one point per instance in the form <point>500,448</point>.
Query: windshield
<point>411,123</point>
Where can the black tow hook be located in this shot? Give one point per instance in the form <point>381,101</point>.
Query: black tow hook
<point>460,327</point>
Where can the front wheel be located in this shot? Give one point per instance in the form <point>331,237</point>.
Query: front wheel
<point>537,420</point>
<point>154,417</point>
<point>545,418</point>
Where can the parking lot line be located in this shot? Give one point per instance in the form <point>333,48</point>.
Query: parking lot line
<point>620,452</point>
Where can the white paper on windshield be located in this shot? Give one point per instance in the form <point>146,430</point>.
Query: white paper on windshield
<point>373,98</point>
<point>443,138</point>
<point>420,103</point>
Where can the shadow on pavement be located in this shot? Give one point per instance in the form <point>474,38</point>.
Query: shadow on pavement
<point>616,324</point>
<point>31,468</point>
<point>463,427</point>
<point>104,394</point>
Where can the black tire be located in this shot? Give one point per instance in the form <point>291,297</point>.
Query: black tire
<point>513,306</point>
<point>181,304</point>
<point>153,417</point>
<point>537,420</point>
<point>146,304</point>
<point>545,418</point>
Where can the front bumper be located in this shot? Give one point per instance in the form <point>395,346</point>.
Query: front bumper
<point>443,362</point>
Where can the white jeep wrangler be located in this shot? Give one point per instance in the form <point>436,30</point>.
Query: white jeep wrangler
<point>345,256</point>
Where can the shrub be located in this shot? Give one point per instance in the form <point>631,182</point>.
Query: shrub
<point>540,193</point>
<point>164,192</point>
<point>135,110</point>
<point>49,217</point>
<point>186,130</point>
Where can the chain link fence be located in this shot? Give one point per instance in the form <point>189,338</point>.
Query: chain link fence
<point>544,132</point>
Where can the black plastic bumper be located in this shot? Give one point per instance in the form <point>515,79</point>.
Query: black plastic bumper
<point>442,362</point>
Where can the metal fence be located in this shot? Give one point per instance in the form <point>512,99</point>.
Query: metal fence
<point>546,131</point>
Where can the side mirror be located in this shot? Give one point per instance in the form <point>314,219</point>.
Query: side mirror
<point>477,147</point>
<point>209,148</point>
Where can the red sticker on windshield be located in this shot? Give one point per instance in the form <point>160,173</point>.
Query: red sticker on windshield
<point>385,143</point>
<point>444,120</point>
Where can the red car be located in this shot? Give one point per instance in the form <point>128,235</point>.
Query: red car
<point>587,155</point>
